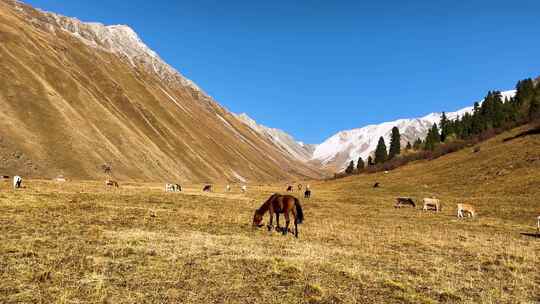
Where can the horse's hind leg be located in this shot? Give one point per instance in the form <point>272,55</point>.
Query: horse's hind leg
<point>277,222</point>
<point>287,222</point>
<point>295,228</point>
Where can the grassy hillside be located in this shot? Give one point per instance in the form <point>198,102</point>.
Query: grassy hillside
<point>501,174</point>
<point>79,242</point>
<point>68,108</point>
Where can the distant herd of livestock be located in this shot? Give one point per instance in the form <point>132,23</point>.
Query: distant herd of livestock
<point>435,204</point>
<point>428,203</point>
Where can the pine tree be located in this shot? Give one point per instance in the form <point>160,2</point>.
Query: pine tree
<point>445,127</point>
<point>350,168</point>
<point>408,146</point>
<point>381,153</point>
<point>477,123</point>
<point>417,144</point>
<point>433,138</point>
<point>534,108</point>
<point>466,126</point>
<point>370,161</point>
<point>524,91</point>
<point>360,164</point>
<point>395,143</point>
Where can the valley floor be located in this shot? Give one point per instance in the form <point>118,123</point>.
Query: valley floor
<point>79,242</point>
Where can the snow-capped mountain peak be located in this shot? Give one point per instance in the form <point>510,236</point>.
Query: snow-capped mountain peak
<point>119,39</point>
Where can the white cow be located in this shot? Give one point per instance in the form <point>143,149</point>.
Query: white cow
<point>172,188</point>
<point>17,181</point>
<point>244,188</point>
<point>432,203</point>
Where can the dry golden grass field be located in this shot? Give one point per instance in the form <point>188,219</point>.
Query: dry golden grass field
<point>78,242</point>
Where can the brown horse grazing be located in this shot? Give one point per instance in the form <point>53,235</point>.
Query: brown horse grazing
<point>299,187</point>
<point>277,204</point>
<point>207,188</point>
<point>289,188</point>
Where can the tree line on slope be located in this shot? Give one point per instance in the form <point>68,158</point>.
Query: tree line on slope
<point>488,119</point>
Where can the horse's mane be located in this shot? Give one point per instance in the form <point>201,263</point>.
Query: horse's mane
<point>265,205</point>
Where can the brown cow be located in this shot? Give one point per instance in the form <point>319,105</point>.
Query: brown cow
<point>465,208</point>
<point>111,183</point>
<point>401,201</point>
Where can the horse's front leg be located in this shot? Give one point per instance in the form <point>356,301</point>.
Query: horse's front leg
<point>270,224</point>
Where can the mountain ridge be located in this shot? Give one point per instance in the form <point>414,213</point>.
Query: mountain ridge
<point>345,146</point>
<point>338,150</point>
<point>281,139</point>
<point>70,105</point>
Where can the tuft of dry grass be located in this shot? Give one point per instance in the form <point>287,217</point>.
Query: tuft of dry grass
<point>79,242</point>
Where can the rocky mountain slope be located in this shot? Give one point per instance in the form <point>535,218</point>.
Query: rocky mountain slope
<point>75,96</point>
<point>281,139</point>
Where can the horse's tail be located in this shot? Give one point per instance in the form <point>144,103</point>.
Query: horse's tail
<point>299,211</point>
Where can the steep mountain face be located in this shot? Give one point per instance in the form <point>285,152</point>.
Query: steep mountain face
<point>75,96</point>
<point>337,151</point>
<point>282,140</point>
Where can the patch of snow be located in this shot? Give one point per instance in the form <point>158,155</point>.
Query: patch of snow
<point>118,39</point>
<point>238,176</point>
<point>174,100</point>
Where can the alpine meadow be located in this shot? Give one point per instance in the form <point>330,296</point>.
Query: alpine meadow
<point>123,181</point>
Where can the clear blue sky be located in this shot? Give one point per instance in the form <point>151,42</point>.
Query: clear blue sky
<point>316,67</point>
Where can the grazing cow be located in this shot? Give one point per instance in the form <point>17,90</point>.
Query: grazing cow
<point>244,188</point>
<point>228,188</point>
<point>111,183</point>
<point>307,193</point>
<point>172,188</point>
<point>376,185</point>
<point>289,188</point>
<point>461,208</point>
<point>430,203</point>
<point>17,182</point>
<point>402,201</point>
<point>207,188</point>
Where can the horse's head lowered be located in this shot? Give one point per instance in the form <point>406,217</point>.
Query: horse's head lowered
<point>257,219</point>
